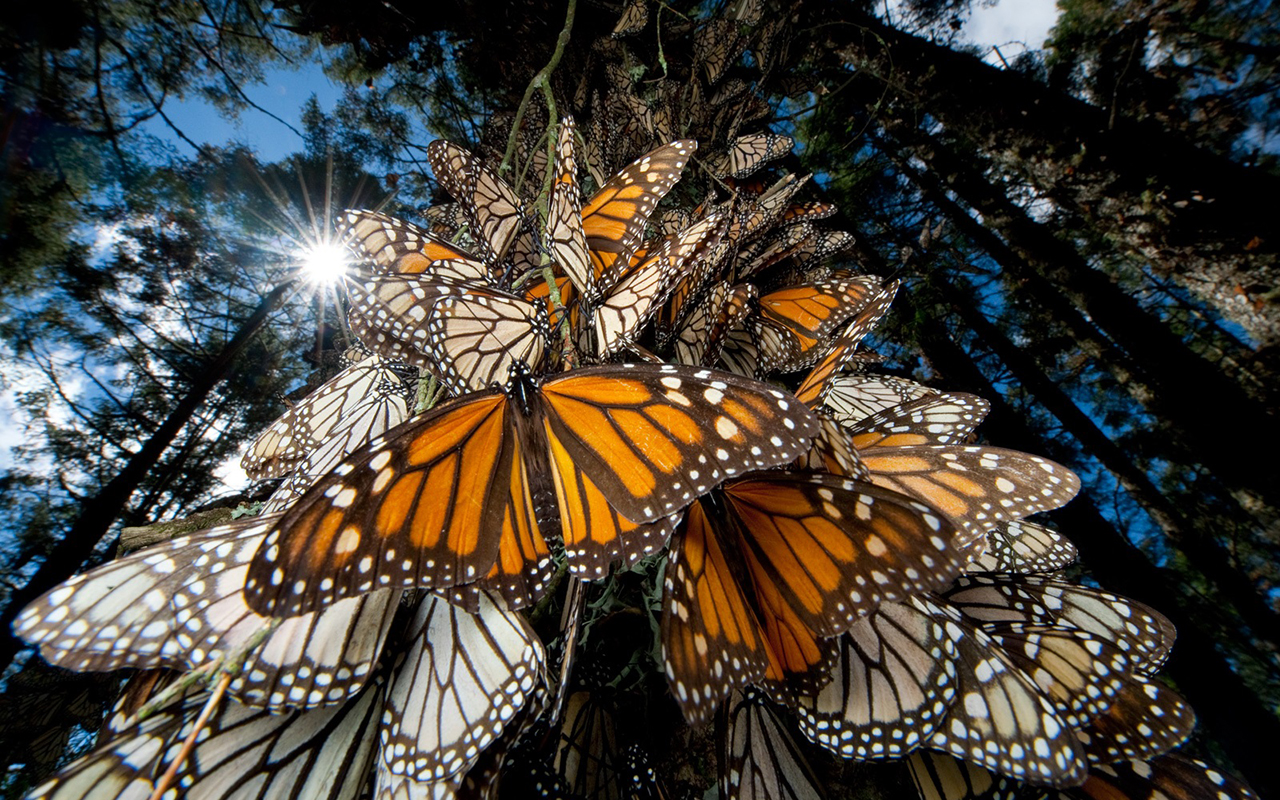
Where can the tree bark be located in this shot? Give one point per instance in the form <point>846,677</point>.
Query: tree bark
<point>1171,380</point>
<point>1224,705</point>
<point>100,511</point>
<point>1206,554</point>
<point>1193,215</point>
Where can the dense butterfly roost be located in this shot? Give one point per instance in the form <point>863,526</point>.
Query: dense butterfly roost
<point>602,346</point>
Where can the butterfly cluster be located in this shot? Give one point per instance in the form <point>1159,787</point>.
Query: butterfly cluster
<point>553,388</point>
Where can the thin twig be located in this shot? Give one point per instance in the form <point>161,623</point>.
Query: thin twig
<point>189,744</point>
<point>227,665</point>
<point>539,79</point>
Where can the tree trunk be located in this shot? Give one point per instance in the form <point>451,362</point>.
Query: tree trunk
<point>101,510</point>
<point>1176,379</point>
<point>1224,705</point>
<point>1193,215</point>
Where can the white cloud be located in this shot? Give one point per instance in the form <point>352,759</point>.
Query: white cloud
<point>1011,25</point>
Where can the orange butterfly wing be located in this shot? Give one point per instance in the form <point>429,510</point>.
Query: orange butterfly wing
<point>394,245</point>
<point>977,487</point>
<point>653,438</point>
<point>613,220</point>
<point>594,533</point>
<point>813,391</point>
<point>388,515</point>
<point>711,638</point>
<point>836,548</point>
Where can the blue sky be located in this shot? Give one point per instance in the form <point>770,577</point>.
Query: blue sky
<point>1010,25</point>
<point>283,94</point>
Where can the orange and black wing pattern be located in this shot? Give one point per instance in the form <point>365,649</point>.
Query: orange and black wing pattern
<point>844,349</point>
<point>393,245</point>
<point>712,641</point>
<point>836,548</point>
<point>387,516</point>
<point>817,310</point>
<point>790,560</point>
<point>978,487</point>
<point>944,418</point>
<point>653,438</point>
<point>614,218</point>
<point>594,533</point>
<point>643,288</point>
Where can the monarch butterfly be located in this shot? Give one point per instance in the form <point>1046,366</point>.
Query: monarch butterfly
<point>771,563</point>
<point>765,344</point>
<point>1145,720</point>
<point>445,219</point>
<point>815,311</point>
<point>892,683</point>
<point>613,220</point>
<point>850,398</point>
<point>822,246</point>
<point>462,680</point>
<point>716,46</point>
<point>358,403</point>
<point>976,487</point>
<point>747,12</point>
<point>393,245</point>
<point>1143,633</point>
<point>700,339</point>
<point>756,346</point>
<point>753,217</point>
<point>641,291</point>
<point>315,754</point>
<point>749,153</point>
<point>179,604</point>
<point>588,757</point>
<point>1078,672</point>
<point>772,250</point>
<point>944,418</point>
<point>492,206</point>
<point>619,288</point>
<point>758,758</point>
<point>844,349</point>
<point>832,452</point>
<point>473,336</point>
<point>1018,546</point>
<point>470,336</point>
<point>1000,718</point>
<point>321,460</point>
<point>642,781</point>
<point>623,448</point>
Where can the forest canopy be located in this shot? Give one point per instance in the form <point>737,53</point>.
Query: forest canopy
<point>1068,243</point>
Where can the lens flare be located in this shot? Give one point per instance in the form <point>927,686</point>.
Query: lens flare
<point>324,263</point>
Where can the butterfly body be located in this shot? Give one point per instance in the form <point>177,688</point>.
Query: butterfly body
<point>454,496</point>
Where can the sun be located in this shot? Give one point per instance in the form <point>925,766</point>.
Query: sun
<point>324,262</point>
